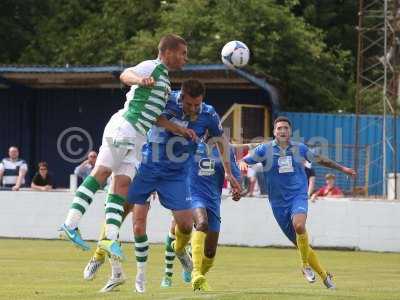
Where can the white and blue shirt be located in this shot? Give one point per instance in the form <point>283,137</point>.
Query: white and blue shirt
<point>11,170</point>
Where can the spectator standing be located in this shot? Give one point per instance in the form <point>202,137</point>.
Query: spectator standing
<point>13,170</point>
<point>42,180</point>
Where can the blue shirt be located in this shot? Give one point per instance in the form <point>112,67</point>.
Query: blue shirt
<point>207,173</point>
<point>169,151</point>
<point>83,171</point>
<point>283,170</point>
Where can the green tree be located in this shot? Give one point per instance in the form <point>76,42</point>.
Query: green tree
<point>338,19</point>
<point>17,26</point>
<point>90,31</point>
<point>282,45</point>
<point>290,41</point>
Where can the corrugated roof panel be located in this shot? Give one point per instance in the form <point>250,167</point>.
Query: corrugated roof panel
<point>65,69</point>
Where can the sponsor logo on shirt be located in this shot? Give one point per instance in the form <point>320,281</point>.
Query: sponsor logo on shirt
<point>206,167</point>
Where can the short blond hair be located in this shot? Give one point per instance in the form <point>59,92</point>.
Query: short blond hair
<point>330,176</point>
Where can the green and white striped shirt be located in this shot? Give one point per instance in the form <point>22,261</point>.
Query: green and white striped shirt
<point>145,104</point>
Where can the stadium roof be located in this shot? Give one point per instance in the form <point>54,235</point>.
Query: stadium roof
<point>216,76</point>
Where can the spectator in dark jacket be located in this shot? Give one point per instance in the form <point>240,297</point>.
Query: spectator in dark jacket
<point>42,180</point>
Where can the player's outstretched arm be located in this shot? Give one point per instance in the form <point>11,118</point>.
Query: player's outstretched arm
<point>224,154</point>
<point>326,162</point>
<point>130,78</point>
<point>311,185</point>
<point>236,172</point>
<point>188,133</point>
<point>243,166</point>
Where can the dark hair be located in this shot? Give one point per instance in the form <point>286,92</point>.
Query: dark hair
<point>193,88</point>
<point>43,164</point>
<point>282,119</point>
<point>170,41</point>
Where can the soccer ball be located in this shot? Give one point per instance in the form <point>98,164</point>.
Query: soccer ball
<point>235,54</point>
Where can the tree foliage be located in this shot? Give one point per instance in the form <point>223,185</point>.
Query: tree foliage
<point>18,19</point>
<point>290,40</point>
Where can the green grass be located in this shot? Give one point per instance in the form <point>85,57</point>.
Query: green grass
<point>38,269</point>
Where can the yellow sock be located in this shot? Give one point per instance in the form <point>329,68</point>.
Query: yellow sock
<point>314,263</point>
<point>303,246</point>
<point>206,264</point>
<point>100,254</point>
<point>182,239</point>
<point>102,235</point>
<point>198,240</point>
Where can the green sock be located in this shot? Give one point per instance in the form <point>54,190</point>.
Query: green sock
<point>83,198</point>
<point>169,255</point>
<point>114,215</point>
<point>141,252</point>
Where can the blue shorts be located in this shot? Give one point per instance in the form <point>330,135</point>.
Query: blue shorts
<point>172,189</point>
<point>284,216</point>
<point>213,212</point>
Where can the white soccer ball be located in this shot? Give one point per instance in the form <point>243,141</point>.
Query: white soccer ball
<point>235,54</point>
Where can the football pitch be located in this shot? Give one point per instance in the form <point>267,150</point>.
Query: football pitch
<point>40,269</point>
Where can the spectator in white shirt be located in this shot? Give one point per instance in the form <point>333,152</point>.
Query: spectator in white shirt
<point>13,170</point>
<point>84,169</point>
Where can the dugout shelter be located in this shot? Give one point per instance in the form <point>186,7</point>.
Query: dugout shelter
<point>55,114</point>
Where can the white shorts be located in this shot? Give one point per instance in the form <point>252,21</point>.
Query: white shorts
<point>251,172</point>
<point>121,147</point>
<point>254,169</point>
